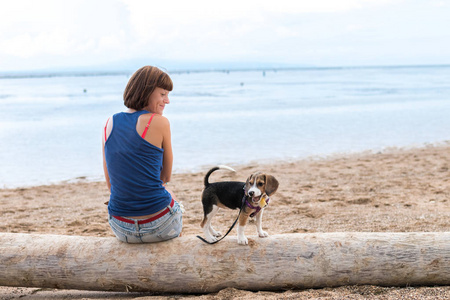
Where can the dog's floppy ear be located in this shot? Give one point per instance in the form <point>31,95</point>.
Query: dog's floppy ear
<point>271,185</point>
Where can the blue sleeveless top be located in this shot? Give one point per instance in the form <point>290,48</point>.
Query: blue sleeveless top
<point>134,169</point>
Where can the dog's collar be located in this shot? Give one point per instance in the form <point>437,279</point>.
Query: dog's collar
<point>251,206</point>
<point>257,208</point>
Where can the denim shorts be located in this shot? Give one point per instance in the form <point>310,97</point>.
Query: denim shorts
<point>164,228</point>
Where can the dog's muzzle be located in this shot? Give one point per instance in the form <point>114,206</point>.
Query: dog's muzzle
<point>255,199</point>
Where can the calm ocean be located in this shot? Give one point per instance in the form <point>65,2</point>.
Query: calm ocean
<point>50,127</point>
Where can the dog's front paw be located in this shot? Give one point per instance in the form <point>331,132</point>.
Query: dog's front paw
<point>242,240</point>
<point>216,233</point>
<point>210,239</point>
<point>263,234</point>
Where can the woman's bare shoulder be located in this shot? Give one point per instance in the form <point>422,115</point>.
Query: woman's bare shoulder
<point>161,120</point>
<point>156,118</point>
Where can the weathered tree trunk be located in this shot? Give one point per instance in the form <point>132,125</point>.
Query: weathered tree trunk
<point>187,265</point>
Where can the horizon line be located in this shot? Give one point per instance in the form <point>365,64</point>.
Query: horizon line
<point>91,71</point>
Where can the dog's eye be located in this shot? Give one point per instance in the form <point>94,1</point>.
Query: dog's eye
<point>260,183</point>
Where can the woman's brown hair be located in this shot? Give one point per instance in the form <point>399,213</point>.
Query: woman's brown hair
<point>142,83</point>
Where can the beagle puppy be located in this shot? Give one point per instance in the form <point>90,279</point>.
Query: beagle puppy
<point>252,195</point>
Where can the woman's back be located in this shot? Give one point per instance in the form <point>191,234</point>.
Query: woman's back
<point>134,167</point>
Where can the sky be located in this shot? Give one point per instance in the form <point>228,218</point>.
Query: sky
<point>115,34</point>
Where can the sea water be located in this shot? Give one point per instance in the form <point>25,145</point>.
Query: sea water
<point>51,125</point>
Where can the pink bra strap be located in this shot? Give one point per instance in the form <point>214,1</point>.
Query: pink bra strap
<point>146,127</point>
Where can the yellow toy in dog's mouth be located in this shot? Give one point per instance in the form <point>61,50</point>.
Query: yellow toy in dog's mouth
<point>262,201</point>
<point>256,200</point>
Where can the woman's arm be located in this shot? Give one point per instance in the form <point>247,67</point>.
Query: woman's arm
<point>105,134</point>
<point>166,171</point>
<point>105,170</point>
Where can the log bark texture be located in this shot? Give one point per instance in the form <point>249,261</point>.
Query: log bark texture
<point>187,265</point>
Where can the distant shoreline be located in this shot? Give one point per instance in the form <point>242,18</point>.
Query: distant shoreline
<point>266,162</point>
<point>128,72</point>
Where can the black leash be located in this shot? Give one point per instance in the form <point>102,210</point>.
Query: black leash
<point>229,230</point>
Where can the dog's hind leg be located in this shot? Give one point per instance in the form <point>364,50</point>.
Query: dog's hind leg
<point>209,232</point>
<point>212,231</point>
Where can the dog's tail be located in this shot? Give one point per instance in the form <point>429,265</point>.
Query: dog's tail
<point>215,169</point>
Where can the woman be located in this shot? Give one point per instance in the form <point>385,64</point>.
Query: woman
<point>137,161</point>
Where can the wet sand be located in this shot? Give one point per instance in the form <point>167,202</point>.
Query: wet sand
<point>397,190</point>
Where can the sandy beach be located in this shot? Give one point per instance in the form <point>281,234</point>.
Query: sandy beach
<point>396,190</point>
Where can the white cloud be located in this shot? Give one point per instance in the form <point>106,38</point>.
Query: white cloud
<point>55,42</point>
<point>61,28</point>
<point>314,32</point>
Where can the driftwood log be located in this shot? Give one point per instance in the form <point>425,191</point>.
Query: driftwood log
<point>187,265</point>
